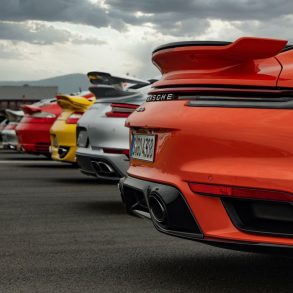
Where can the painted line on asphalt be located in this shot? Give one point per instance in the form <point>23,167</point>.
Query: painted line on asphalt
<point>28,162</point>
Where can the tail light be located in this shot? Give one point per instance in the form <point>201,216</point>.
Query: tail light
<point>88,95</point>
<point>43,115</point>
<point>74,117</point>
<point>240,192</point>
<point>120,110</point>
<point>116,151</point>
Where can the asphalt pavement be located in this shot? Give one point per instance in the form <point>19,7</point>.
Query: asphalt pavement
<point>61,231</point>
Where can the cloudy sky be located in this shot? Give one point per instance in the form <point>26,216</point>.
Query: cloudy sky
<point>44,38</point>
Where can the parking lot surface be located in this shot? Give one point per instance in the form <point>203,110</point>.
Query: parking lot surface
<point>61,231</point>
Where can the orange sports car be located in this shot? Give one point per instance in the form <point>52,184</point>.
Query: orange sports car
<point>211,155</point>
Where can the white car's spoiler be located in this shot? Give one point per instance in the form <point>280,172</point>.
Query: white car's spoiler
<point>13,115</point>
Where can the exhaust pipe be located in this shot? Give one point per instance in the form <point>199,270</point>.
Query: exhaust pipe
<point>103,168</point>
<point>106,168</point>
<point>158,209</point>
<point>164,204</point>
<point>96,167</point>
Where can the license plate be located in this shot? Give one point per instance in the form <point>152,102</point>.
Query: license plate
<point>143,147</point>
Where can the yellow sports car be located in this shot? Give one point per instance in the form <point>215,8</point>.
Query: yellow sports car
<point>63,131</point>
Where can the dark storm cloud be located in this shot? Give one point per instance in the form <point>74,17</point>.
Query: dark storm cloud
<point>275,28</point>
<point>74,11</point>
<point>171,17</point>
<point>41,34</point>
<point>33,33</point>
<point>188,17</point>
<point>217,9</point>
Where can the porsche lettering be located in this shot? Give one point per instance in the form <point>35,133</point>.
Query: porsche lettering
<point>161,97</point>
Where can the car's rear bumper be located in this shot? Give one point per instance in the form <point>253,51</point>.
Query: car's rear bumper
<point>63,142</point>
<point>63,153</point>
<point>208,223</point>
<point>39,148</point>
<point>34,138</point>
<point>103,166</point>
<point>164,204</point>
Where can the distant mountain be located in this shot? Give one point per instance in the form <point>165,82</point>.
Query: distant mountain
<point>69,83</point>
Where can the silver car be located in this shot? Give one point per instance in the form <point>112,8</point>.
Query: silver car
<point>9,137</point>
<point>102,138</point>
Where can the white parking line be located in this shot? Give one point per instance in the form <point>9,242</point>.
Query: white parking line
<point>28,162</point>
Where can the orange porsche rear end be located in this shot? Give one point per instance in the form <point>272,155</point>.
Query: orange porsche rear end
<point>212,148</point>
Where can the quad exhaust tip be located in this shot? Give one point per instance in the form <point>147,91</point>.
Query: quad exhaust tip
<point>103,168</point>
<point>158,208</point>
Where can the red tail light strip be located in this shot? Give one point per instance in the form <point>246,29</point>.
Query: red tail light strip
<point>121,110</point>
<point>88,96</point>
<point>116,151</point>
<point>125,106</point>
<point>240,192</point>
<point>117,115</point>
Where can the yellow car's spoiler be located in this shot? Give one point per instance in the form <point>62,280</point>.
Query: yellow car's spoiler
<point>74,102</point>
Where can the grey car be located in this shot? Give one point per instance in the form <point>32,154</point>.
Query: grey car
<point>102,138</point>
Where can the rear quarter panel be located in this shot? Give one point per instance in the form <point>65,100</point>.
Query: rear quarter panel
<point>104,132</point>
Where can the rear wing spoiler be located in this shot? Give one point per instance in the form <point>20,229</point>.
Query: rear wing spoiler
<point>104,78</point>
<point>110,92</point>
<point>75,102</point>
<point>13,116</point>
<point>207,55</point>
<point>30,109</point>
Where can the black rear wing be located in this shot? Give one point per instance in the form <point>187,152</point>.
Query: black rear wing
<point>104,78</point>
<point>102,92</point>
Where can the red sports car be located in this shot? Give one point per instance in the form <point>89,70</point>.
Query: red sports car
<point>33,131</point>
<point>212,148</point>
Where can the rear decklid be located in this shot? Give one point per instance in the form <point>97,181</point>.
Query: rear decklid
<point>246,62</point>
